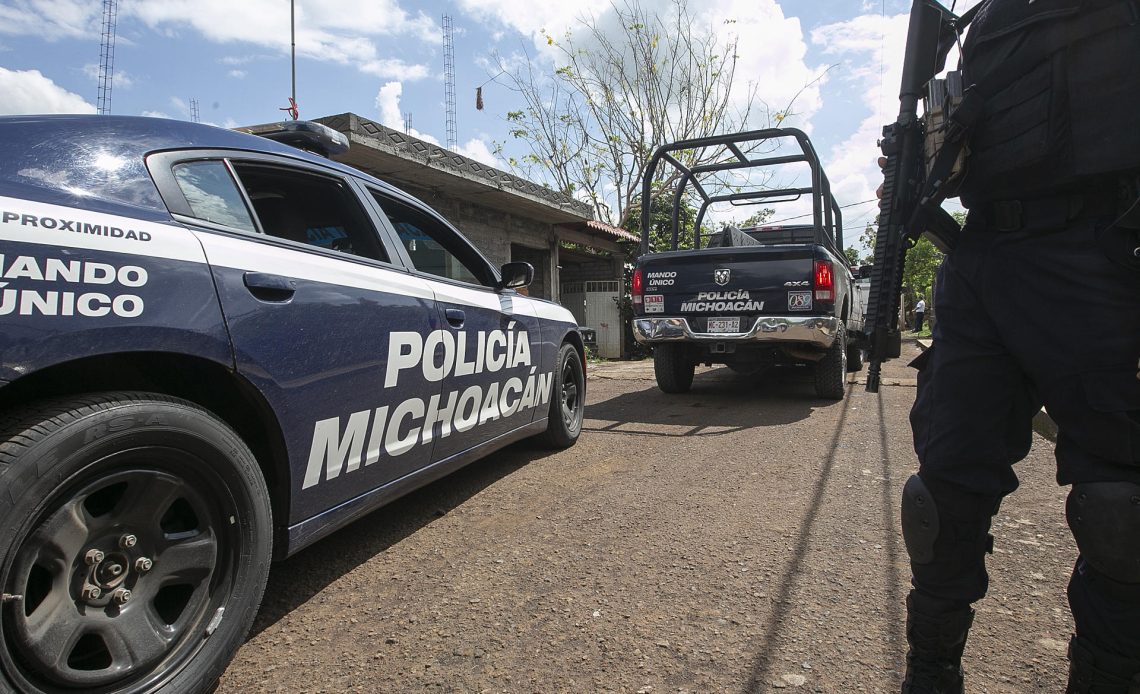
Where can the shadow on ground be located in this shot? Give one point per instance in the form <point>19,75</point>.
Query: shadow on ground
<point>720,402</point>
<point>762,667</point>
<point>297,579</point>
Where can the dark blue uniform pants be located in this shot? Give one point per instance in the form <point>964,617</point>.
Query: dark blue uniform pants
<point>1046,316</point>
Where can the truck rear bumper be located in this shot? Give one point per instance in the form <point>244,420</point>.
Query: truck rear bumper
<point>814,330</point>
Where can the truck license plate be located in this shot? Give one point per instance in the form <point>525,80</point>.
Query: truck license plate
<point>724,325</point>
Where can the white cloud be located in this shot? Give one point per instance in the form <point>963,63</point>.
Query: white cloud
<point>478,150</point>
<point>28,91</point>
<point>395,69</point>
<point>236,74</point>
<point>239,60</point>
<point>388,104</point>
<point>52,19</point>
<point>530,18</point>
<point>770,52</point>
<point>338,31</point>
<point>119,78</point>
<point>380,17</point>
<point>155,114</point>
<point>870,48</point>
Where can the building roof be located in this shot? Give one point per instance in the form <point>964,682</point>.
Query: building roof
<point>404,160</point>
<point>616,232</point>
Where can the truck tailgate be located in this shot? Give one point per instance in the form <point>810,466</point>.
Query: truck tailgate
<point>748,281</point>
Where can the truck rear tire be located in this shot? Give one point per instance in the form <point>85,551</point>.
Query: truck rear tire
<point>831,371</point>
<point>673,368</point>
<point>114,497</point>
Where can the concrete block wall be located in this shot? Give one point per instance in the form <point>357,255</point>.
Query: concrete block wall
<point>600,270</point>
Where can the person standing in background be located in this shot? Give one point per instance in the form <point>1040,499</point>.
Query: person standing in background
<point>919,314</point>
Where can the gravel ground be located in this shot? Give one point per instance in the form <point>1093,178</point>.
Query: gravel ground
<point>743,537</point>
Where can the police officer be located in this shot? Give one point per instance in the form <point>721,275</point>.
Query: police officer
<point>1039,303</point>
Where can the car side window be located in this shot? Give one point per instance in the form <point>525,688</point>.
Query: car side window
<point>320,211</point>
<point>211,193</point>
<point>288,203</point>
<point>433,248</point>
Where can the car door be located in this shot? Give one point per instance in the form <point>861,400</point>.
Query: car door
<point>312,297</point>
<point>492,354</point>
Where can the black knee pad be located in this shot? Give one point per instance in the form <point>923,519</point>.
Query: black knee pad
<point>919,520</point>
<point>1105,520</point>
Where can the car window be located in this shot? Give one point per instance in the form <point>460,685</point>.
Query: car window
<point>288,203</point>
<point>434,248</point>
<point>210,191</point>
<point>320,211</point>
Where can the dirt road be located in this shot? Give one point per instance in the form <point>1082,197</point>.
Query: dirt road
<point>743,537</point>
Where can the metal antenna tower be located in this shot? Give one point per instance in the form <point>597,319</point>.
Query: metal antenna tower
<point>449,80</point>
<point>194,115</point>
<point>408,122</point>
<point>107,55</point>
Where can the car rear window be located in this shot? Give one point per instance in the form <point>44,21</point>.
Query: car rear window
<point>211,194</point>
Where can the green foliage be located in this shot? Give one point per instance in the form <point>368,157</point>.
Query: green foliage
<point>867,238</point>
<point>758,218</point>
<point>661,223</point>
<point>922,263</point>
<point>852,255</point>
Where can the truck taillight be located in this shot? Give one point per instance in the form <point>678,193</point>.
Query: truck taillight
<point>823,281</point>
<point>636,289</point>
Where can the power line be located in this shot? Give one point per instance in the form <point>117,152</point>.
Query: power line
<point>809,214</point>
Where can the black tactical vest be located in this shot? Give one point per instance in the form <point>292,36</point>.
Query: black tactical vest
<point>1060,81</point>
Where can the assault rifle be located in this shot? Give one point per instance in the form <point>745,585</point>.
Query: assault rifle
<point>911,196</point>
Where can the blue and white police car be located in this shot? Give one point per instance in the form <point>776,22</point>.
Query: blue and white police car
<point>216,348</point>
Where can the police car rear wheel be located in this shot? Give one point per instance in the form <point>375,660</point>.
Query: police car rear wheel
<point>136,544</point>
<point>568,405</point>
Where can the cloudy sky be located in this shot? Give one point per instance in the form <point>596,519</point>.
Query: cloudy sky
<point>383,59</point>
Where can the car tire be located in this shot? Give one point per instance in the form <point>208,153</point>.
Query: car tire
<point>567,400</point>
<point>831,371</point>
<point>136,531</point>
<point>673,368</point>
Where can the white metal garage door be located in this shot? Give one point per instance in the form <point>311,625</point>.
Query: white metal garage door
<point>595,306</point>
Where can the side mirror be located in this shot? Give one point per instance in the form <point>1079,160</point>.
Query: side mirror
<point>516,274</point>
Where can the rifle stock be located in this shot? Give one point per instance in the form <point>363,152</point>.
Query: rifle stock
<point>901,218</point>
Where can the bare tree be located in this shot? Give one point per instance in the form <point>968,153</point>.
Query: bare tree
<point>618,95</point>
